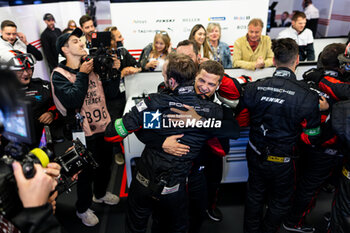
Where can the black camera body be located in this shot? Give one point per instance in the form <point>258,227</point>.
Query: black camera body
<point>73,161</point>
<point>18,128</point>
<point>102,55</point>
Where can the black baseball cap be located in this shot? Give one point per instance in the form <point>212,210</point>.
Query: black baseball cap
<point>62,39</point>
<point>48,16</point>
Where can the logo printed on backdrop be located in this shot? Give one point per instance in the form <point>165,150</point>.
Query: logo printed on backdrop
<point>217,18</point>
<point>242,27</point>
<point>139,21</point>
<point>247,17</point>
<point>165,20</point>
<point>191,20</point>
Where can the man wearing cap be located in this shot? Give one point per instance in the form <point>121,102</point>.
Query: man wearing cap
<point>78,91</point>
<point>13,40</point>
<point>48,41</point>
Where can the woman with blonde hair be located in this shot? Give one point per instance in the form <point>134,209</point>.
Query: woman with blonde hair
<point>199,34</point>
<point>153,55</point>
<point>220,50</point>
<point>71,24</point>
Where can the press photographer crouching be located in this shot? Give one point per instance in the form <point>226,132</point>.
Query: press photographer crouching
<point>32,213</point>
<point>80,96</point>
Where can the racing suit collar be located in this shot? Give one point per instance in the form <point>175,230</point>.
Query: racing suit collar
<point>332,73</point>
<point>284,72</point>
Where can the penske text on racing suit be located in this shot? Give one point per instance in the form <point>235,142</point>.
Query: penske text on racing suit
<point>281,110</point>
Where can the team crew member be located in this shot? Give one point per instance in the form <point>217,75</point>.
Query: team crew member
<point>339,221</point>
<point>336,82</point>
<point>13,40</point>
<point>203,184</point>
<point>303,36</point>
<point>159,185</point>
<point>340,120</point>
<point>35,90</point>
<point>77,89</point>
<point>319,161</point>
<point>279,115</point>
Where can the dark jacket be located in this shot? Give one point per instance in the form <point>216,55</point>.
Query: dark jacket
<point>281,109</point>
<point>72,95</point>
<point>38,93</point>
<point>37,220</point>
<point>156,163</point>
<point>48,42</point>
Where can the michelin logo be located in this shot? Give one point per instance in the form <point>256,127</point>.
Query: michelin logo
<point>151,120</point>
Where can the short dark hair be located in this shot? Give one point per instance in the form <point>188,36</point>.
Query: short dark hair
<point>212,67</point>
<point>181,68</point>
<point>189,42</point>
<point>83,19</point>
<point>329,55</point>
<point>297,15</point>
<point>7,23</point>
<point>286,51</point>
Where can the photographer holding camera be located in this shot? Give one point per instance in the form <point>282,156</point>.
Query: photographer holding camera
<point>37,214</point>
<point>80,95</point>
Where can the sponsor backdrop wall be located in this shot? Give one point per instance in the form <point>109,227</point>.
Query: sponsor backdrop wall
<point>138,22</point>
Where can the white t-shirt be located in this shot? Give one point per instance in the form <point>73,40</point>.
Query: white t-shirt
<point>311,12</point>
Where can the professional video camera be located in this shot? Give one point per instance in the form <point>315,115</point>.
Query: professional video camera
<point>102,55</point>
<point>18,129</point>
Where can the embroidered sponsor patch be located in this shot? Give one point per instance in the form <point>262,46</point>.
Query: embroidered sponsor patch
<point>169,190</point>
<point>141,106</point>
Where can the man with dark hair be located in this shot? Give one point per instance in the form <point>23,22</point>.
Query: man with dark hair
<point>13,40</point>
<point>279,116</point>
<point>189,47</point>
<point>285,20</point>
<point>80,95</point>
<point>159,185</point>
<point>319,161</point>
<point>88,27</point>
<point>206,172</point>
<point>48,41</point>
<point>303,36</point>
